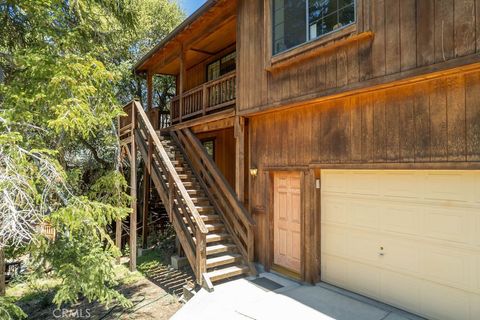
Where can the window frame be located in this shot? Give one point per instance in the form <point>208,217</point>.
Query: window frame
<point>317,43</point>
<point>219,60</point>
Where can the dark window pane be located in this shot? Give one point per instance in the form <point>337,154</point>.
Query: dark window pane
<point>344,3</point>
<point>347,16</point>
<point>209,146</point>
<point>289,24</point>
<point>326,16</point>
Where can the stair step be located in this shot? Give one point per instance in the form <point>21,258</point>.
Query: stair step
<point>229,272</point>
<point>219,248</point>
<point>222,260</point>
<point>206,217</point>
<point>211,226</point>
<point>214,237</point>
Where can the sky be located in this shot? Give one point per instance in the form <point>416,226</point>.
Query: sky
<point>191,5</point>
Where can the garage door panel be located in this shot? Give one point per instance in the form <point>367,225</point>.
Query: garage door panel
<point>442,302</point>
<point>335,210</point>
<point>447,266</point>
<point>475,307</point>
<point>363,183</point>
<point>401,218</point>
<point>428,223</point>
<point>446,223</point>
<point>363,278</point>
<point>334,182</point>
<point>400,184</point>
<point>401,255</point>
<point>449,186</point>
<point>334,270</point>
<point>400,290</point>
<point>334,241</point>
<point>363,214</point>
<point>363,247</point>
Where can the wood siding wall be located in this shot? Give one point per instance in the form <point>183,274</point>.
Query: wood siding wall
<point>224,151</point>
<point>408,34</point>
<point>429,122</point>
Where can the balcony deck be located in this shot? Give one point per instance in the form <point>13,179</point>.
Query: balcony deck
<point>208,98</point>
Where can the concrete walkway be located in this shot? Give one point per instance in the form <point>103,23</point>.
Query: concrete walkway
<point>269,296</point>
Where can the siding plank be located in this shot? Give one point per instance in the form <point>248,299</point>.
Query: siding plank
<point>438,121</point>
<point>378,47</point>
<point>342,71</point>
<point>407,125</point>
<point>392,140</point>
<point>464,27</point>
<point>380,130</point>
<point>456,118</point>
<point>408,35</point>
<point>425,32</point>
<point>472,82</point>
<point>352,61</point>
<point>367,127</point>
<point>355,129</point>
<point>444,30</point>
<point>422,124</point>
<point>392,37</point>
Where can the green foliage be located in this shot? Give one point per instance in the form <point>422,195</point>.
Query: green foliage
<point>65,70</point>
<point>8,309</point>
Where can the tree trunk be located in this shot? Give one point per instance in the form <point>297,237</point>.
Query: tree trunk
<point>2,272</point>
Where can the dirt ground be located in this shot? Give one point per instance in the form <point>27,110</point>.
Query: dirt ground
<point>150,302</point>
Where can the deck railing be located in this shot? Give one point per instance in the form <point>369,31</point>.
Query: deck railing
<point>237,219</point>
<point>191,230</point>
<point>204,99</point>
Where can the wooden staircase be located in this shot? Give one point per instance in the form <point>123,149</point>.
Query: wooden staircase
<point>214,229</point>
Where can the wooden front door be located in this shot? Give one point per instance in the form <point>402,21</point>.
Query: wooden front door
<point>287,221</point>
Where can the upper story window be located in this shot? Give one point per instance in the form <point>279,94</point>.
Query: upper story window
<point>221,66</point>
<point>299,21</point>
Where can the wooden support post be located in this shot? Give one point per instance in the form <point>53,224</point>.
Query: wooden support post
<point>204,99</point>
<point>2,272</point>
<point>145,208</point>
<point>133,194</point>
<point>201,255</point>
<point>181,79</point>
<point>239,129</point>
<point>149,91</point>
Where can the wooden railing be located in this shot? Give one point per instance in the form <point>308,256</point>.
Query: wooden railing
<point>237,219</point>
<point>201,100</point>
<point>181,210</point>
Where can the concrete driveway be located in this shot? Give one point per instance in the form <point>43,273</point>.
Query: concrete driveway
<point>270,296</point>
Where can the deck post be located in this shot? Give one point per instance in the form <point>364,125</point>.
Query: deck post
<point>149,91</point>
<point>145,207</point>
<point>133,194</point>
<point>239,129</point>
<point>181,80</point>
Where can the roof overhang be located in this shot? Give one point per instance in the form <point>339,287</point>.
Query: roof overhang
<point>206,32</point>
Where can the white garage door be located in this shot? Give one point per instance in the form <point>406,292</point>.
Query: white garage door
<point>407,238</point>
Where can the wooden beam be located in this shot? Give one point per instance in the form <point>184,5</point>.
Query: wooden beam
<point>145,207</point>
<point>204,120</point>
<point>181,77</point>
<point>149,91</point>
<point>239,130</point>
<point>133,195</point>
<point>462,65</point>
<point>203,51</point>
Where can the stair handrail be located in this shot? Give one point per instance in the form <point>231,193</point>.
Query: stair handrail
<point>202,228</point>
<point>220,179</point>
<point>226,191</point>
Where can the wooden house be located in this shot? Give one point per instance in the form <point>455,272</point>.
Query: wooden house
<point>341,143</point>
